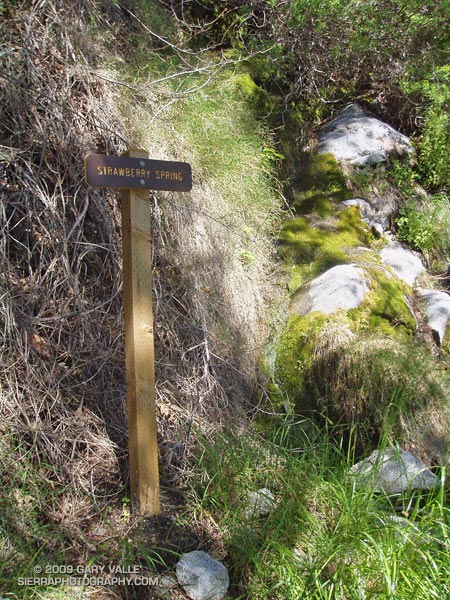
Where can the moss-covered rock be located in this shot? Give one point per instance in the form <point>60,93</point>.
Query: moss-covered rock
<point>384,311</point>
<point>320,184</point>
<point>295,351</point>
<point>353,366</point>
<point>374,384</point>
<point>257,98</point>
<point>310,246</point>
<point>387,307</point>
<point>363,367</point>
<point>332,368</point>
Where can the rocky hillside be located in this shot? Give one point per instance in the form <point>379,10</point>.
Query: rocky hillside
<point>366,338</point>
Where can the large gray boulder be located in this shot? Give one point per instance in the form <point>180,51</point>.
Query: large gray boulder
<point>405,263</point>
<point>437,311</point>
<point>201,576</point>
<point>341,287</point>
<point>360,140</point>
<point>394,471</point>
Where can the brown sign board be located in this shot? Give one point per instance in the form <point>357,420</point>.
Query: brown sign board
<point>125,172</point>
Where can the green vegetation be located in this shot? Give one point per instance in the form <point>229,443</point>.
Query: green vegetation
<point>392,56</point>
<point>294,355</point>
<point>232,151</point>
<point>320,183</point>
<point>310,247</point>
<point>238,90</point>
<point>425,227</point>
<point>416,227</point>
<point>434,92</point>
<point>324,538</point>
<point>423,219</point>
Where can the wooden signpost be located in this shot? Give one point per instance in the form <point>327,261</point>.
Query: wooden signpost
<point>134,173</point>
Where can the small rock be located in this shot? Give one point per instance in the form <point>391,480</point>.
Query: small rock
<point>437,312</point>
<point>405,263</point>
<point>201,576</point>
<point>365,209</point>
<point>260,503</point>
<point>393,472</point>
<point>341,287</point>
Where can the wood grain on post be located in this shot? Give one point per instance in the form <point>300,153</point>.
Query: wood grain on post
<point>139,347</point>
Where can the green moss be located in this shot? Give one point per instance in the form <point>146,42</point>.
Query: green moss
<point>270,390</point>
<point>313,201</point>
<point>384,312</point>
<point>310,249</point>
<point>445,346</point>
<point>320,184</point>
<point>256,97</point>
<point>294,353</point>
<point>385,308</point>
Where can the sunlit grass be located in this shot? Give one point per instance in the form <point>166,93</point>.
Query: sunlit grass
<point>231,149</point>
<point>325,538</point>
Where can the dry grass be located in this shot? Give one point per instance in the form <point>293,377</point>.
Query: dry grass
<point>61,347</point>
<point>61,350</point>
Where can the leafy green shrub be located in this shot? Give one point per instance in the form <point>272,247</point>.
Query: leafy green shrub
<point>416,227</point>
<point>434,148</point>
<point>404,177</point>
<point>433,92</point>
<point>423,220</point>
<point>426,227</point>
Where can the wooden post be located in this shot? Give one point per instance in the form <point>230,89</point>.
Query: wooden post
<point>134,173</point>
<point>139,350</point>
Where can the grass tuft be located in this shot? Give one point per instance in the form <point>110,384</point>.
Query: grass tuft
<point>325,538</point>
